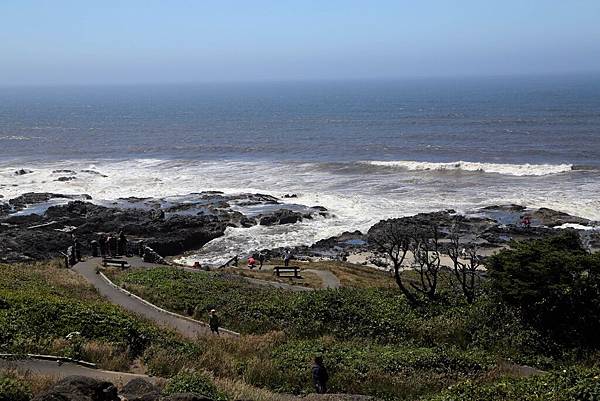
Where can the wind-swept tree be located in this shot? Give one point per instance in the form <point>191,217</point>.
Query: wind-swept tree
<point>465,261</point>
<point>426,254</point>
<point>410,247</point>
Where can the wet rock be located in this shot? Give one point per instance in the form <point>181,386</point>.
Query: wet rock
<point>5,209</point>
<point>63,172</point>
<point>505,208</point>
<point>247,222</point>
<point>63,179</point>
<point>133,199</point>
<point>282,216</point>
<point>94,173</point>
<point>288,196</point>
<point>80,388</point>
<point>23,172</point>
<point>34,198</point>
<point>553,218</point>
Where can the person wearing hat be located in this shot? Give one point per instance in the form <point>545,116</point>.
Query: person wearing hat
<point>213,321</point>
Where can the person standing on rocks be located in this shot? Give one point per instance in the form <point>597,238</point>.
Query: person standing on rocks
<point>109,250</point>
<point>286,258</point>
<point>122,244</point>
<point>214,321</point>
<point>320,375</point>
<point>261,260</point>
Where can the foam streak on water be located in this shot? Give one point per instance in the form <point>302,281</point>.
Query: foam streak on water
<point>357,194</point>
<point>508,169</point>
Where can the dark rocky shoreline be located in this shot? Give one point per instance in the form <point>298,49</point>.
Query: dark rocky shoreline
<point>39,226</point>
<point>167,226</point>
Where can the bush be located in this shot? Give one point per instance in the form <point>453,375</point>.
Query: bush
<point>194,382</point>
<point>552,281</point>
<point>14,390</point>
<point>570,385</point>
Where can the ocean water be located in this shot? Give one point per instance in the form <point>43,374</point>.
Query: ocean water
<point>364,150</point>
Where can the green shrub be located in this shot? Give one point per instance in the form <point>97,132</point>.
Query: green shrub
<point>569,385</point>
<point>552,281</point>
<point>14,390</point>
<point>194,382</point>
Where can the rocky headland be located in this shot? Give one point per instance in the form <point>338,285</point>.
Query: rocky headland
<point>38,226</point>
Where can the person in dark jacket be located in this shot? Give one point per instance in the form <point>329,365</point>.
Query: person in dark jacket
<point>122,244</point>
<point>214,322</point>
<point>320,375</point>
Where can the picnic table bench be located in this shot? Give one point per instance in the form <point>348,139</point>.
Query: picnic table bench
<point>287,271</point>
<point>116,262</point>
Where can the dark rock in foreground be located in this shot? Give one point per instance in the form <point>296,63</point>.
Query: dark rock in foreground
<point>80,388</point>
<point>140,390</point>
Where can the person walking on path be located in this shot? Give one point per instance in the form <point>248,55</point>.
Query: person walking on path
<point>214,322</point>
<point>261,260</point>
<point>320,375</point>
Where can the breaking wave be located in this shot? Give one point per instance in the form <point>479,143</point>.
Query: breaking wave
<point>506,169</point>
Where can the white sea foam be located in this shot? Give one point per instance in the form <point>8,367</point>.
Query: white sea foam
<point>358,199</point>
<point>498,168</point>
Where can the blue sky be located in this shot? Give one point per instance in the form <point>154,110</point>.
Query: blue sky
<point>130,41</point>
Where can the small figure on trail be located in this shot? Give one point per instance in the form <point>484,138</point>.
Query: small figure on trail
<point>76,248</point>
<point>214,322</point>
<point>251,262</point>
<point>109,250</point>
<point>526,221</point>
<point>320,375</point>
<point>94,246</point>
<point>71,255</point>
<point>261,260</point>
<point>122,244</point>
<point>235,260</point>
<point>102,244</point>
<point>286,258</point>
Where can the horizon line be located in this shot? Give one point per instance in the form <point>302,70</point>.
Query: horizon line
<point>305,80</point>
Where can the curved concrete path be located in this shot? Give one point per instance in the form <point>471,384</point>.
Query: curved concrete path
<point>52,368</point>
<point>188,327</point>
<point>329,279</point>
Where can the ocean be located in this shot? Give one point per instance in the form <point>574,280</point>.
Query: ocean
<point>364,150</point>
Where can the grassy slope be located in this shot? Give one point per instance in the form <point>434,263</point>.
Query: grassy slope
<point>41,305</point>
<point>373,341</point>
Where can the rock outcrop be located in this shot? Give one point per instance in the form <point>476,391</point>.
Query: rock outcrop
<point>80,388</point>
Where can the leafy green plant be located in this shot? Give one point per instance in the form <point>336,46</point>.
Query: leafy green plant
<point>194,382</point>
<point>14,390</point>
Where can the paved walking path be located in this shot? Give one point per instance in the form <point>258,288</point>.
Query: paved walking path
<point>187,327</point>
<point>52,368</point>
<point>329,279</point>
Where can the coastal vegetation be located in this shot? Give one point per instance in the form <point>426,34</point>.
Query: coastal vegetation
<point>374,341</point>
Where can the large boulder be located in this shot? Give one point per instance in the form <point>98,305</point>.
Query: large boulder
<point>553,218</point>
<point>282,216</point>
<point>140,390</point>
<point>80,388</point>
